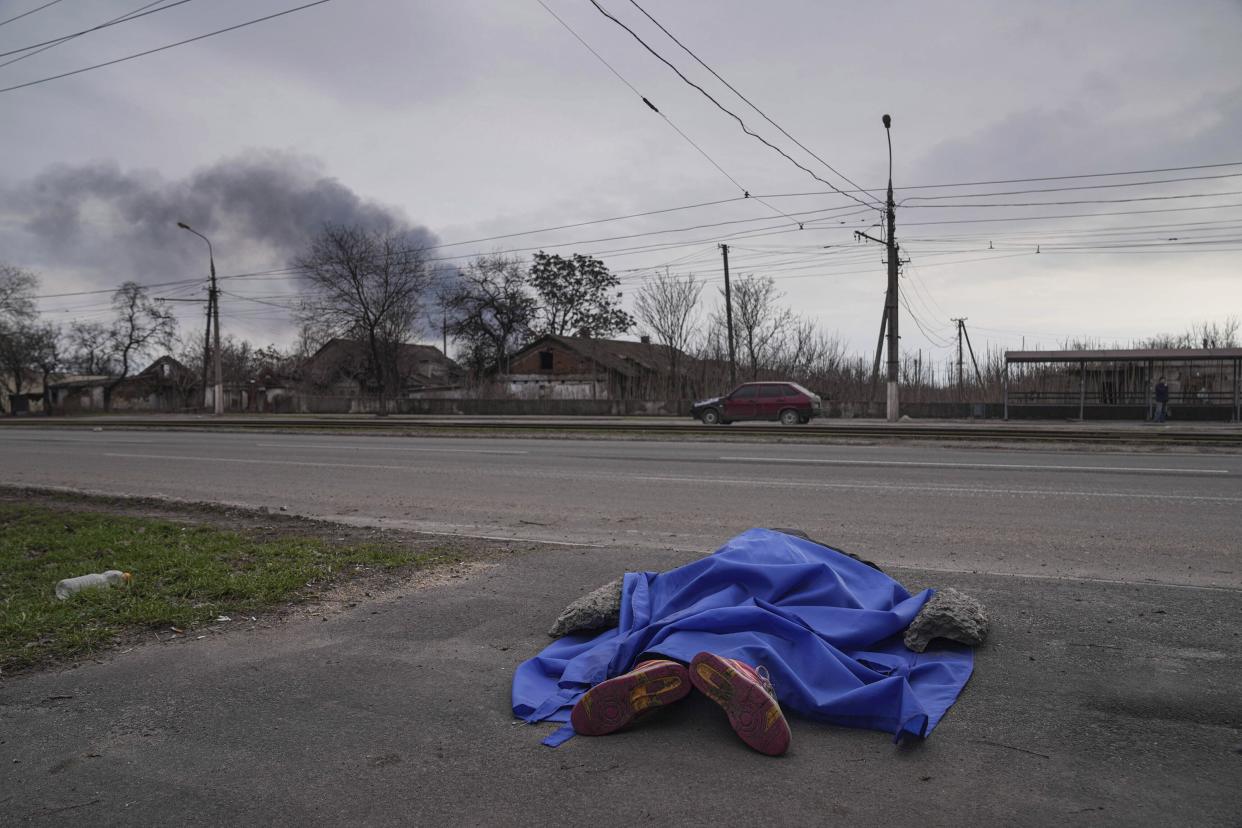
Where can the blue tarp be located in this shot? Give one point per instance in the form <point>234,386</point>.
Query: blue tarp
<point>827,627</point>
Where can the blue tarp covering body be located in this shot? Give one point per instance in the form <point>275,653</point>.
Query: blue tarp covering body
<point>827,627</point>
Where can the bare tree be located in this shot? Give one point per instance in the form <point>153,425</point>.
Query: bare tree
<point>141,325</point>
<point>760,320</point>
<point>490,311</point>
<point>370,286</point>
<point>667,307</point>
<point>89,348</point>
<point>21,346</point>
<point>49,358</point>
<point>17,289</point>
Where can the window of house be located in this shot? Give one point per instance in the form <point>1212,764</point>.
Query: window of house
<point>545,360</point>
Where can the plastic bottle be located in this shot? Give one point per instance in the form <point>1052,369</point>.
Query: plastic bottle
<point>113,577</point>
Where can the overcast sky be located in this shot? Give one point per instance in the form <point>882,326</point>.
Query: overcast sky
<point>466,119</point>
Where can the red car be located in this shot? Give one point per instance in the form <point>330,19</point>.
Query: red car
<point>787,402</point>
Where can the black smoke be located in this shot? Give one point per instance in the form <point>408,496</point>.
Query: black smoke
<point>100,224</point>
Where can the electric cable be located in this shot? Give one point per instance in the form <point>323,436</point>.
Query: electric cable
<point>164,47</point>
<point>748,102</point>
<point>1083,201</point>
<point>656,110</point>
<point>729,112</point>
<point>56,43</point>
<point>125,18</point>
<point>28,13</point>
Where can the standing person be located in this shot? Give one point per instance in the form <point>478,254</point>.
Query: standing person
<point>1162,400</point>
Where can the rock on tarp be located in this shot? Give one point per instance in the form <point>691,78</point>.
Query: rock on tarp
<point>827,627</point>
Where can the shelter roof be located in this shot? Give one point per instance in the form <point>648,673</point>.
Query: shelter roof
<point>1128,355</point>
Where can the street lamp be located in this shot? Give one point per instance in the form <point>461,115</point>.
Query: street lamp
<point>894,340</point>
<point>213,311</point>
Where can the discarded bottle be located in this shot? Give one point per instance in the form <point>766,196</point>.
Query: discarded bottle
<point>113,577</point>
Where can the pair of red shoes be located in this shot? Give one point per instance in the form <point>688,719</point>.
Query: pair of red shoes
<point>745,693</point>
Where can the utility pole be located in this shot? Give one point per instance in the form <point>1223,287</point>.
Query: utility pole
<point>888,325</point>
<point>213,312</point>
<point>218,396</point>
<point>724,251</point>
<point>961,359</point>
<point>206,349</point>
<point>893,339</point>
<point>960,381</point>
<point>444,330</point>
<point>970,348</point>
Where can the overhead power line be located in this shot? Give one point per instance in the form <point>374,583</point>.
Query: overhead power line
<point>125,18</point>
<point>748,102</point>
<point>656,110</point>
<point>28,13</point>
<point>166,46</point>
<point>1069,189</point>
<point>56,43</point>
<point>1082,201</point>
<point>728,111</point>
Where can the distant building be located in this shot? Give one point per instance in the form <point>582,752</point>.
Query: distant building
<point>574,367</point>
<point>342,367</point>
<point>164,385</point>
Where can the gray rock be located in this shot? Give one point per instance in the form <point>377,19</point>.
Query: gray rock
<point>594,611</point>
<point>949,614</point>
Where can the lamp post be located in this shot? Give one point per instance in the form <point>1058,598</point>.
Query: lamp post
<point>214,312</point>
<point>894,365</point>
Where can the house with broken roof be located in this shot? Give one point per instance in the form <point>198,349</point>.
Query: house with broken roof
<point>164,385</point>
<point>574,367</point>
<point>342,367</point>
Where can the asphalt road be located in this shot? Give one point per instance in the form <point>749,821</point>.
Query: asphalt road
<point>1107,693</point>
<point>1152,516</point>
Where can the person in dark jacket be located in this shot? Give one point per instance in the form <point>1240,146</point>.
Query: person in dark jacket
<point>1162,400</point>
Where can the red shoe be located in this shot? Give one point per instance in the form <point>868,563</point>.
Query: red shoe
<point>746,694</point>
<point>616,703</point>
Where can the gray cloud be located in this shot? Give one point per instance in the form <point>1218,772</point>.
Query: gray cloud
<point>106,224</point>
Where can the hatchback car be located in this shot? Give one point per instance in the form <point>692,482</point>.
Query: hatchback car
<point>787,402</point>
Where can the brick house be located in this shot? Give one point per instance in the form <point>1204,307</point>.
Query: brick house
<point>342,367</point>
<point>573,367</point>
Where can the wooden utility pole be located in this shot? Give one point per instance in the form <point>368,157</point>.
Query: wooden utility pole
<point>724,251</point>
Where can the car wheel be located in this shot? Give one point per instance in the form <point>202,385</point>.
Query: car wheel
<point>711,417</point>
<point>789,417</point>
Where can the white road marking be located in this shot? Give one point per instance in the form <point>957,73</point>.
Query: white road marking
<point>326,445</point>
<point>946,465</point>
<point>251,461</point>
<point>789,484</point>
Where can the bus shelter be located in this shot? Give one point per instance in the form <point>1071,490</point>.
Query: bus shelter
<point>1120,384</point>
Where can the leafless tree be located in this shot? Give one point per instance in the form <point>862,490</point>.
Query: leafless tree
<point>490,311</point>
<point>142,324</point>
<point>17,289</point>
<point>89,348</point>
<point>760,320</point>
<point>667,308</point>
<point>24,348</point>
<point>370,286</point>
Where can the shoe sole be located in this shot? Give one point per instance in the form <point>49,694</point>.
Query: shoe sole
<point>755,716</point>
<point>614,704</point>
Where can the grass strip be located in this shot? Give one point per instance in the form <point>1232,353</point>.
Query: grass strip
<point>183,575</point>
